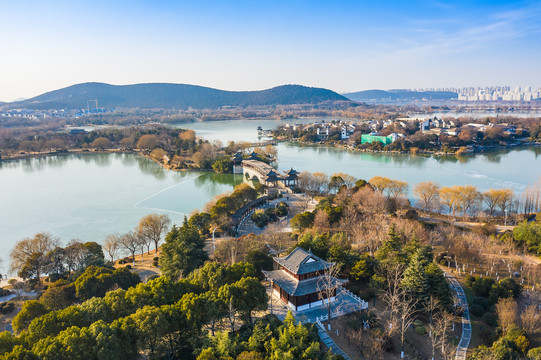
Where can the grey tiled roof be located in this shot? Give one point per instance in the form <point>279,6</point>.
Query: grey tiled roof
<point>298,288</point>
<point>300,261</point>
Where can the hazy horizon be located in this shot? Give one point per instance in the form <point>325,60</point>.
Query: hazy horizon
<point>346,47</point>
<point>256,89</point>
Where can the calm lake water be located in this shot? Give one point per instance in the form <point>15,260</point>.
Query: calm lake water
<point>513,169</point>
<point>92,195</point>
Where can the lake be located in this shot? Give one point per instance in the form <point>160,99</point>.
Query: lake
<point>90,196</point>
<point>513,169</point>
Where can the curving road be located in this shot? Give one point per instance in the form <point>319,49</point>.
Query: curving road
<point>464,343</point>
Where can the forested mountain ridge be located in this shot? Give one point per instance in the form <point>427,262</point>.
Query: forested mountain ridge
<point>167,95</point>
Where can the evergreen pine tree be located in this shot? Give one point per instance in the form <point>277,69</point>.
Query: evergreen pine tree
<point>415,281</point>
<point>182,252</point>
<point>438,286</point>
<point>391,247</point>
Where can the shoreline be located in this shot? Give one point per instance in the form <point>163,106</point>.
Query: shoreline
<point>486,150</point>
<point>88,152</point>
<point>340,146</point>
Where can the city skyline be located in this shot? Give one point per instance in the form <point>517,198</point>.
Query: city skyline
<point>345,47</point>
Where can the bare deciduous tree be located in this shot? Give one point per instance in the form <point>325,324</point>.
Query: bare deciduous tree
<point>401,307</point>
<point>530,320</point>
<point>369,342</point>
<point>327,286</point>
<point>321,221</point>
<point>428,193</point>
<point>276,238</point>
<point>507,312</point>
<point>432,307</point>
<point>30,252</point>
<point>407,308</point>
<point>442,324</point>
<point>152,227</point>
<point>111,245</point>
<point>393,295</point>
<point>131,242</point>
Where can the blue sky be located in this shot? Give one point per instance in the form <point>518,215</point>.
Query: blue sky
<point>244,45</point>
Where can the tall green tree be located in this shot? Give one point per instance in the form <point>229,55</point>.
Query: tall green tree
<point>182,252</point>
<point>252,296</point>
<point>438,286</point>
<point>415,280</point>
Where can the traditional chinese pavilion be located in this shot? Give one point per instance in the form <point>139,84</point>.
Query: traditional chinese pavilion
<point>290,178</point>
<point>299,280</point>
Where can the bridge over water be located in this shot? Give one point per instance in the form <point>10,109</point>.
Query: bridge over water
<point>267,175</point>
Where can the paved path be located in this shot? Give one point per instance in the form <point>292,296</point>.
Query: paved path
<point>295,202</point>
<point>30,294</point>
<point>328,341</point>
<point>464,343</point>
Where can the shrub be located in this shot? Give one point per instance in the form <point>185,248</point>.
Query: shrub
<point>535,354</point>
<point>490,319</point>
<point>482,301</point>
<point>152,277</point>
<point>155,261</point>
<point>128,267</point>
<point>281,209</point>
<point>469,280</point>
<point>522,343</point>
<point>6,307</point>
<point>504,289</point>
<point>4,292</point>
<point>260,218</point>
<point>487,337</point>
<point>54,277</point>
<point>482,287</point>
<point>420,330</point>
<point>411,215</point>
<point>354,323</point>
<point>477,310</point>
<point>365,295</point>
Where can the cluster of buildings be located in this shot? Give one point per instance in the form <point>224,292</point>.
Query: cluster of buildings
<point>33,114</point>
<point>325,129</point>
<point>49,114</point>
<point>438,127</point>
<point>499,93</point>
<point>491,93</point>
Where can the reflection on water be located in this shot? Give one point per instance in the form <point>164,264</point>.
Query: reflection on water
<point>211,182</point>
<point>89,196</point>
<point>149,167</point>
<point>40,163</point>
<point>511,168</point>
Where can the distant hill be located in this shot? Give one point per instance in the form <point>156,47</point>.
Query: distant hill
<point>400,95</point>
<point>180,96</point>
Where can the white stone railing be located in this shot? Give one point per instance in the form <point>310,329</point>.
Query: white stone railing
<point>318,321</point>
<point>363,305</point>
